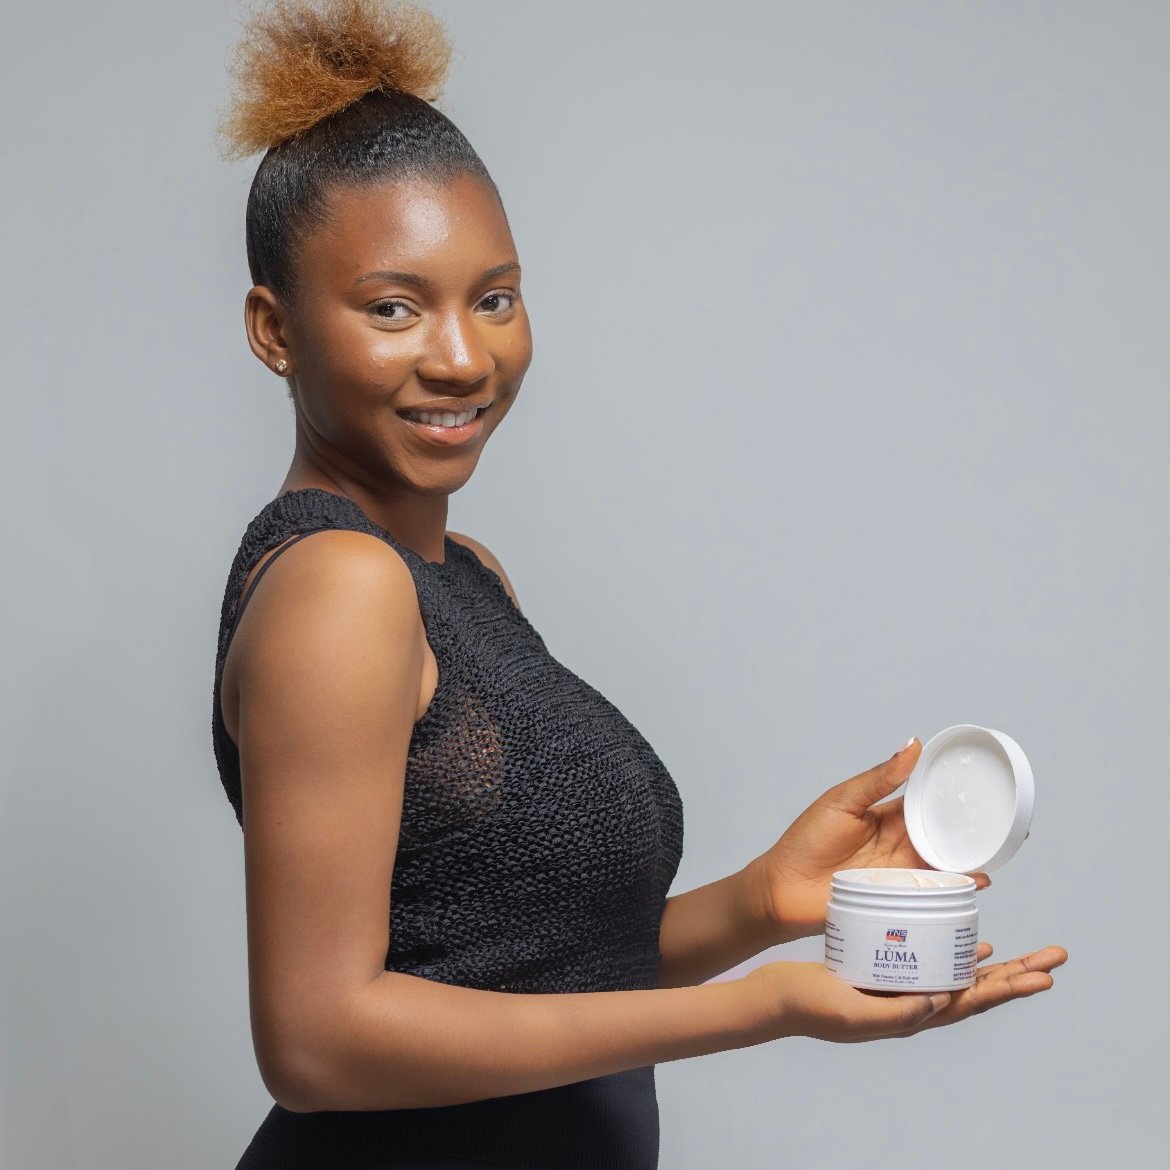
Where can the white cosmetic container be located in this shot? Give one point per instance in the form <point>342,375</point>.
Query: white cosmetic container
<point>902,935</point>
<point>968,806</point>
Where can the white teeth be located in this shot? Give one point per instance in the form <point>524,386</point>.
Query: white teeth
<point>444,419</point>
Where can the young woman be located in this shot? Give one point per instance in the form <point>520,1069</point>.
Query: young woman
<point>457,852</point>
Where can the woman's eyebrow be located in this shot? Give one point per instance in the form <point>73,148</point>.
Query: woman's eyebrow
<point>394,277</point>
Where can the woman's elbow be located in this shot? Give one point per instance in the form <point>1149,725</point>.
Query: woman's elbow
<point>295,1080</point>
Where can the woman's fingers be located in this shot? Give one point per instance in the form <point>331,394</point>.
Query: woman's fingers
<point>983,951</point>
<point>1002,982</point>
<point>1045,959</point>
<point>999,989</point>
<point>858,793</point>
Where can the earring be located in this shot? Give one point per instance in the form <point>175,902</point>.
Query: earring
<point>281,366</point>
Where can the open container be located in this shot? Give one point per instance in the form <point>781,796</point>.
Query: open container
<point>968,806</point>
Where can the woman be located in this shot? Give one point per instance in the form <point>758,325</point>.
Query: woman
<point>457,852</point>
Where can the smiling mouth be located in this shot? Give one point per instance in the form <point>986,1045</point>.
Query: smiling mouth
<point>447,419</point>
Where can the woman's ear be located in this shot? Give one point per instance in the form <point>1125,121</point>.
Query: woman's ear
<point>264,321</point>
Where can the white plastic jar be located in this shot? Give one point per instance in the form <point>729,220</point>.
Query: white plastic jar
<point>902,929</point>
<point>967,807</point>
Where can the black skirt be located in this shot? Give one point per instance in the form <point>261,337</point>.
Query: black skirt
<point>605,1123</point>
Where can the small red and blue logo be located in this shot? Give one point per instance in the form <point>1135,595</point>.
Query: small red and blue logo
<point>896,936</point>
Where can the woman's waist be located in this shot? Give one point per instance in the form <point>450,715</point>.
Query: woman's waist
<point>603,1123</point>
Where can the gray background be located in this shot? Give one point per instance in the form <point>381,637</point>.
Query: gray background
<point>846,422</point>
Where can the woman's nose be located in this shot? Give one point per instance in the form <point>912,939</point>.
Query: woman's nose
<point>455,352</point>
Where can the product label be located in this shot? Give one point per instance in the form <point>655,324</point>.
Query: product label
<point>901,956</point>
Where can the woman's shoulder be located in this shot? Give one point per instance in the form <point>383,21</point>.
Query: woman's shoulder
<point>322,572</point>
<point>489,559</point>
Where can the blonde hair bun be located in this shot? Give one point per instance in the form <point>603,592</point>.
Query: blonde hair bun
<point>299,61</point>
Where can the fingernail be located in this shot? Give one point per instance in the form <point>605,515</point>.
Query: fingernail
<point>905,745</point>
<point>938,1002</point>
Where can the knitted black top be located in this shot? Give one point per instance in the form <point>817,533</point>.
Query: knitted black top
<point>540,832</point>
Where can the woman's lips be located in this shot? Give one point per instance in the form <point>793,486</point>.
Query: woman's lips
<point>446,435</point>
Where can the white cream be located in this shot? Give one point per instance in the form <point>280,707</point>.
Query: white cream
<point>921,879</point>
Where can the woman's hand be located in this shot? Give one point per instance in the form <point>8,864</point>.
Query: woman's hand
<point>845,828</point>
<point>806,999</point>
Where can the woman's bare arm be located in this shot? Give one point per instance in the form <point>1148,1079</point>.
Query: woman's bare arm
<point>414,1042</point>
<point>713,928</point>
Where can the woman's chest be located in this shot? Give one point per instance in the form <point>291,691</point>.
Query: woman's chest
<point>518,744</point>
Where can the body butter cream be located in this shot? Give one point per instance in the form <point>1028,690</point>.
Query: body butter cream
<point>968,807</point>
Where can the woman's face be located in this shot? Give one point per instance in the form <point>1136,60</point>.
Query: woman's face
<point>407,300</point>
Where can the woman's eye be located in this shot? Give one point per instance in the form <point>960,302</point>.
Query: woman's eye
<point>384,309</point>
<point>496,303</point>
<point>492,300</point>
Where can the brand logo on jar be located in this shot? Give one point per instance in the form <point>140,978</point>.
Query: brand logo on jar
<point>896,936</point>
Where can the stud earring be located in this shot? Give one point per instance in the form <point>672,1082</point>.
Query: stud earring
<point>281,366</point>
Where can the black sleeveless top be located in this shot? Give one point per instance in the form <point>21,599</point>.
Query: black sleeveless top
<point>540,834</point>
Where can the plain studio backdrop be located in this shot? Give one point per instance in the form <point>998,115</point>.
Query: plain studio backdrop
<point>847,421</point>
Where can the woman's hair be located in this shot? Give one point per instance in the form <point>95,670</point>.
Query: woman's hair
<point>336,93</point>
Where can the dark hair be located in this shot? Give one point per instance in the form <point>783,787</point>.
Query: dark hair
<point>386,134</point>
<point>337,93</point>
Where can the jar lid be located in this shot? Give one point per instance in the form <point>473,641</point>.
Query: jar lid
<point>968,802</point>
